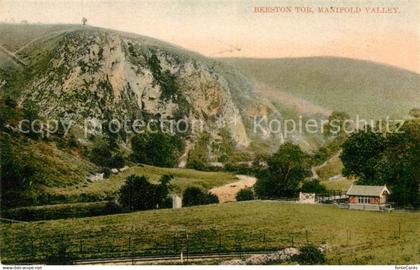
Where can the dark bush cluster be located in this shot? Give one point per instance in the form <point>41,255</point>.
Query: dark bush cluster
<point>310,255</point>
<point>246,194</point>
<point>102,156</point>
<point>157,149</point>
<point>196,196</point>
<point>138,193</point>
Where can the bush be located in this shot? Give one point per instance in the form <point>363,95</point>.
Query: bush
<point>310,254</point>
<point>107,172</point>
<point>117,161</point>
<point>245,194</point>
<point>211,198</point>
<point>195,196</point>
<point>101,155</point>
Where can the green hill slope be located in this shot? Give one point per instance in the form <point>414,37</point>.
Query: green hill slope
<point>358,87</point>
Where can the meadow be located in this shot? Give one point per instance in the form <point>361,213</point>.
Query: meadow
<point>352,237</point>
<point>107,189</point>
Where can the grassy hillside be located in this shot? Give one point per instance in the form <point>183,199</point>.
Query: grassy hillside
<point>331,168</point>
<point>107,189</point>
<point>14,36</point>
<point>354,237</point>
<point>356,87</point>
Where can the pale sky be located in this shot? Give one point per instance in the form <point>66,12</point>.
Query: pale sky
<point>214,28</point>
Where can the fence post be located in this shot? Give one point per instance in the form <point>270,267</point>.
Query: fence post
<point>399,229</point>
<point>307,238</point>
<point>220,241</point>
<point>187,248</point>
<point>32,248</point>
<point>81,247</point>
<point>293,241</point>
<point>265,243</point>
<point>174,239</point>
<point>129,243</point>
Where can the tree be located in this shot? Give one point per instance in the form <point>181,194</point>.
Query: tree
<point>392,158</point>
<point>16,175</point>
<point>226,147</point>
<point>139,145</point>
<point>337,123</point>
<point>138,193</point>
<point>101,155</point>
<point>361,153</point>
<point>286,170</point>
<point>398,165</point>
<point>195,196</point>
<point>245,194</point>
<point>198,156</point>
<point>117,161</point>
<point>30,115</point>
<point>313,186</point>
<point>157,149</point>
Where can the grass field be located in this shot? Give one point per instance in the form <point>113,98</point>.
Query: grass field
<point>333,167</point>
<point>107,188</point>
<point>354,237</point>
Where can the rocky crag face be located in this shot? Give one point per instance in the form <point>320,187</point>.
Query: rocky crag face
<point>102,75</point>
<point>94,74</point>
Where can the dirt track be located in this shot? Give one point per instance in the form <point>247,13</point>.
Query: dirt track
<point>228,192</point>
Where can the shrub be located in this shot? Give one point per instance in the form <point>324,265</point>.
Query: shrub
<point>107,172</point>
<point>101,155</point>
<point>211,198</point>
<point>195,196</point>
<point>117,161</point>
<point>310,254</point>
<point>245,194</point>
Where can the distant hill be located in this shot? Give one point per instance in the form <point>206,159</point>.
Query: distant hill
<point>369,89</point>
<point>14,36</point>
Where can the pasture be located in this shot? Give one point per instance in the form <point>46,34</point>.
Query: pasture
<point>353,237</point>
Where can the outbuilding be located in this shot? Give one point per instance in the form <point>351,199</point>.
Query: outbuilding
<point>373,198</point>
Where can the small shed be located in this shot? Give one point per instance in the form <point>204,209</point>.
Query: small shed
<point>368,197</point>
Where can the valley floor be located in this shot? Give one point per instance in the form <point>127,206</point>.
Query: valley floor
<point>352,237</point>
